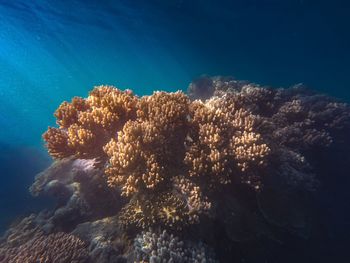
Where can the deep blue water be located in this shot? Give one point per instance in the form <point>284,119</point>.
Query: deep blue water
<point>51,51</point>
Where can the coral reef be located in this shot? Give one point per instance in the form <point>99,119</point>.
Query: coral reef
<point>232,165</point>
<point>149,150</point>
<point>39,247</point>
<point>85,125</point>
<point>152,247</point>
<point>294,123</point>
<point>164,209</point>
<point>195,201</point>
<point>80,190</point>
<point>107,243</point>
<point>159,138</point>
<point>222,143</point>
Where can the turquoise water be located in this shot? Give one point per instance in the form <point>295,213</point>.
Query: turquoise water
<point>52,51</point>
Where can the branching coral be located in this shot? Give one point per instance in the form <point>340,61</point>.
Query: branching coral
<point>293,122</point>
<point>196,203</point>
<point>68,113</point>
<point>57,143</point>
<point>238,162</point>
<point>149,149</point>
<point>86,125</point>
<point>59,247</point>
<point>26,242</point>
<point>223,142</point>
<point>20,232</point>
<point>131,165</point>
<point>153,248</point>
<point>150,141</point>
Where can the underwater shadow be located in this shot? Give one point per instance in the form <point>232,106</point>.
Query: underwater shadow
<point>18,166</point>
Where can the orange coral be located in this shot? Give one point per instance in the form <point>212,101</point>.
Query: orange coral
<point>222,141</point>
<point>131,165</point>
<point>80,139</point>
<point>57,143</point>
<point>67,113</point>
<point>147,149</point>
<point>86,125</point>
<point>149,141</point>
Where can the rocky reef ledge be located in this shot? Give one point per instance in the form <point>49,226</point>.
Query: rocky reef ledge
<point>229,172</point>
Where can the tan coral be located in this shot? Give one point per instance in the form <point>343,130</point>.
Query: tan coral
<point>131,166</point>
<point>56,247</point>
<point>81,140</point>
<point>67,113</point>
<point>96,95</point>
<point>149,141</point>
<point>141,155</point>
<point>121,102</point>
<point>113,101</point>
<point>207,154</point>
<point>57,143</point>
<point>246,149</point>
<point>223,141</point>
<point>163,107</point>
<point>128,164</point>
<point>86,125</point>
<point>197,204</point>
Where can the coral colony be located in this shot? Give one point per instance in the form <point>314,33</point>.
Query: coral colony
<point>161,178</point>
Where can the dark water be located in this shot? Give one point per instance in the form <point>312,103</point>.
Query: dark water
<point>51,51</point>
<point>18,165</point>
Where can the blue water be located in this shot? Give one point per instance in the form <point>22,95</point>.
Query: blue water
<point>51,51</point>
